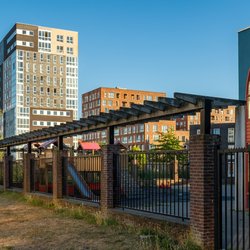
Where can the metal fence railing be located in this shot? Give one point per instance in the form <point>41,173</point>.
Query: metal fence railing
<point>82,176</point>
<point>155,182</point>
<point>42,171</point>
<point>16,174</point>
<point>233,205</point>
<point>1,172</point>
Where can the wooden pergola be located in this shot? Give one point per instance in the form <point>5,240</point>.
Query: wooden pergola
<point>149,111</point>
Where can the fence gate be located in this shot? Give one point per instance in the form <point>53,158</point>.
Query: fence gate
<point>232,209</point>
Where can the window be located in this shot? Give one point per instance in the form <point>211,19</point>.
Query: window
<point>34,101</point>
<point>41,57</point>
<point>69,39</point>
<point>44,35</point>
<point>116,131</point>
<point>44,46</point>
<point>61,59</point>
<point>34,68</point>
<point>155,137</point>
<point>61,82</point>
<point>61,70</point>
<point>59,49</point>
<point>164,128</point>
<point>48,58</point>
<point>155,128</point>
<point>48,69</point>
<point>230,137</point>
<point>59,38</point>
<point>54,59</point>
<point>69,50</point>
<point>34,90</point>
<point>111,95</point>
<point>125,139</point>
<point>216,131</point>
<point>141,128</point>
<point>41,79</point>
<point>138,138</point>
<point>54,70</point>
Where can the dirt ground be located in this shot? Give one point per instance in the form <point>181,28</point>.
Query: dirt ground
<point>23,226</point>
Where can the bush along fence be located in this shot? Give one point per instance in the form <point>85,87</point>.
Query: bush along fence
<point>179,184</point>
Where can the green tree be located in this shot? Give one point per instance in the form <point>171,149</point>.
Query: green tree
<point>168,141</point>
<point>136,157</point>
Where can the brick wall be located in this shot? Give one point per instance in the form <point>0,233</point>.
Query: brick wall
<point>107,180</point>
<point>57,174</point>
<point>27,172</point>
<point>202,183</point>
<point>7,161</point>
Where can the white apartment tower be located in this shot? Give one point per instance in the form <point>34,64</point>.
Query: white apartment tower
<point>38,78</point>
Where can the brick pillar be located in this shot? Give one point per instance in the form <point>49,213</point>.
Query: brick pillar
<point>107,181</point>
<point>27,172</point>
<point>202,188</point>
<point>7,161</point>
<point>58,161</point>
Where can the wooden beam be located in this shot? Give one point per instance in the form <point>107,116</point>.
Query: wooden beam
<point>110,135</point>
<point>206,117</point>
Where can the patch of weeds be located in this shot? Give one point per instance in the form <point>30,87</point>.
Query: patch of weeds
<point>189,244</point>
<point>75,212</point>
<point>104,220</point>
<point>12,195</point>
<point>7,248</point>
<point>35,202</point>
<point>151,238</point>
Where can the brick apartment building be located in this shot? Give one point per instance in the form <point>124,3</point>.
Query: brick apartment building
<point>218,116</point>
<point>141,135</point>
<point>105,99</point>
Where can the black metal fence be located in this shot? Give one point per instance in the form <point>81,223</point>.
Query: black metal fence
<point>155,182</point>
<point>82,177</point>
<point>232,210</point>
<point>42,172</point>
<point>16,174</point>
<point>1,172</point>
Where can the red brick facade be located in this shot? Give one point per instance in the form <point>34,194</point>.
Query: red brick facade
<point>202,182</point>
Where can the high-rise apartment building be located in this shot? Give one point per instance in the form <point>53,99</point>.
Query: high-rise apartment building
<point>38,77</point>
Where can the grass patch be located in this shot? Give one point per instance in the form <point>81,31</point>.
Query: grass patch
<point>150,237</point>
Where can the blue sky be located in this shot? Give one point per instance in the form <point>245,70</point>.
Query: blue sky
<point>169,45</point>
